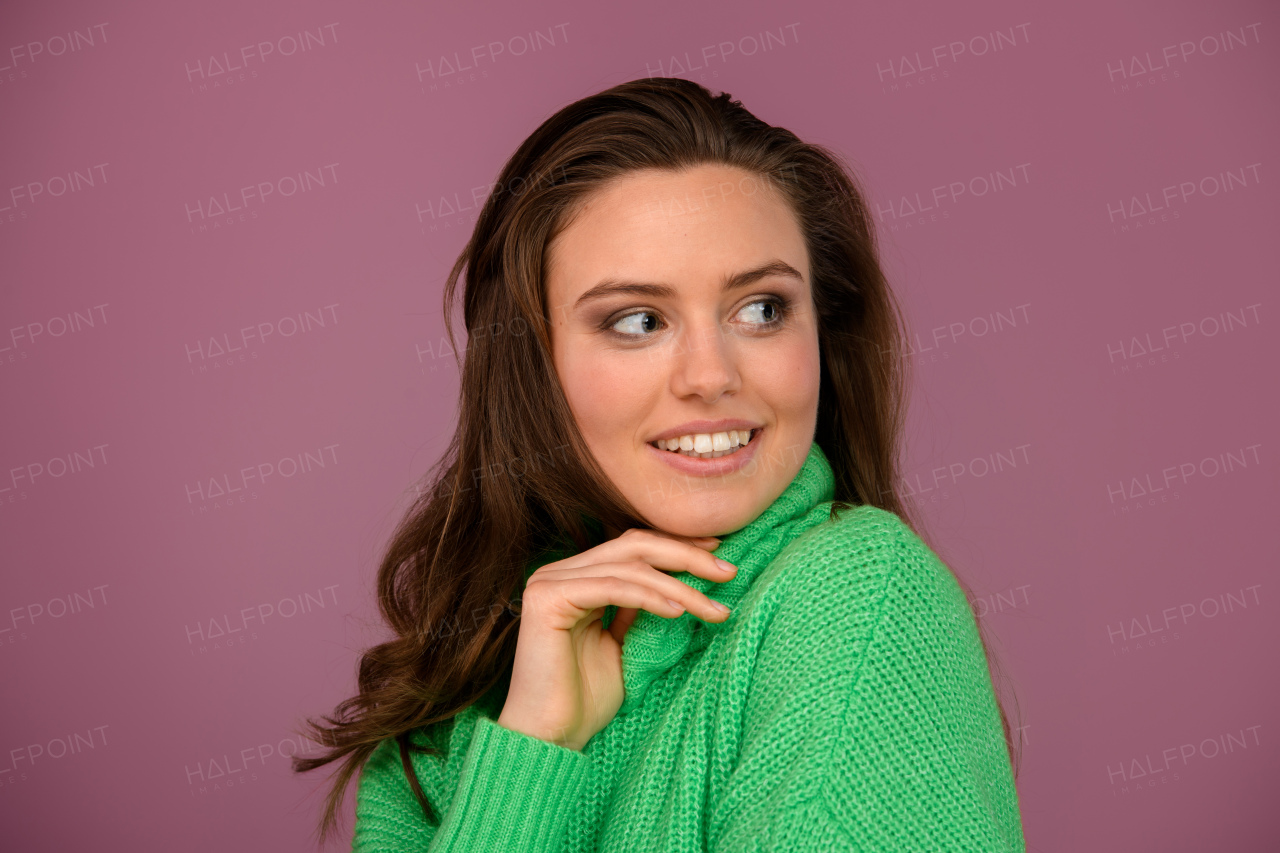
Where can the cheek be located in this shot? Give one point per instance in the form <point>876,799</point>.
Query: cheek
<point>604,393</point>
<point>789,376</point>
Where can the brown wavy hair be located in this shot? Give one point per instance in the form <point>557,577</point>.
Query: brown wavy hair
<point>517,479</point>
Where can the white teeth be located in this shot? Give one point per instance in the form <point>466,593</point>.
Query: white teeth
<point>706,445</point>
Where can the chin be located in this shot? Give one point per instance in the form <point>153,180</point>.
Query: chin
<point>692,517</point>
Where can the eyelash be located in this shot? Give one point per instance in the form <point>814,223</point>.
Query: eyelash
<point>781,303</point>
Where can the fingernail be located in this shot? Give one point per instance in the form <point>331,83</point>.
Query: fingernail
<point>677,605</point>
<point>728,567</point>
<point>719,606</point>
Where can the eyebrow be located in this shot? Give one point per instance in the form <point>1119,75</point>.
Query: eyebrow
<point>612,286</point>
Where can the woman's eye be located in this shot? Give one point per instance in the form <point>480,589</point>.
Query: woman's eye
<point>628,326</point>
<point>770,309</point>
<point>764,313</point>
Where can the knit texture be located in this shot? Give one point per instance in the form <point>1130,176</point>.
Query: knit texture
<point>845,704</point>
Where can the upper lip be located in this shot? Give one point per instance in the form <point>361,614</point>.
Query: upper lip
<point>708,427</point>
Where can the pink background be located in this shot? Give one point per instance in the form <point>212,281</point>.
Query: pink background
<point>1093,423</point>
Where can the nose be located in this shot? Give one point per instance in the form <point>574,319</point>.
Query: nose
<point>704,364</point>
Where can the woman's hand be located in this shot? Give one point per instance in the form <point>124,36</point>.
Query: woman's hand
<point>566,682</point>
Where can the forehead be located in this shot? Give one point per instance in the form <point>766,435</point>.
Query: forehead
<point>691,226</point>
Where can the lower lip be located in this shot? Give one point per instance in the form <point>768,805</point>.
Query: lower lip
<point>720,465</point>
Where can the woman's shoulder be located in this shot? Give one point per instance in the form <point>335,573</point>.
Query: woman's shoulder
<point>858,597</point>
<point>862,543</point>
<point>869,560</point>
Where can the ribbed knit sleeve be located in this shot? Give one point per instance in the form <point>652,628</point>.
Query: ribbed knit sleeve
<point>505,791</point>
<point>871,722</point>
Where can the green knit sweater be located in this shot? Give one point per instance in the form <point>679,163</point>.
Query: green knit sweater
<point>845,704</point>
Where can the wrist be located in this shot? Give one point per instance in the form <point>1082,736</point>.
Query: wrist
<point>559,736</point>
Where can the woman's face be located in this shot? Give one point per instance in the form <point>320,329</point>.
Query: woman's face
<point>649,342</point>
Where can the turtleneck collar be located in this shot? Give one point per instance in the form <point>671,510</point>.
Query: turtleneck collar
<point>654,644</point>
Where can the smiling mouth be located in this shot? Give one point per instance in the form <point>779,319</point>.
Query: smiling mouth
<point>688,445</point>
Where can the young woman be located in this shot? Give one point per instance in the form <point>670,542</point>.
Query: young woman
<point>662,594</point>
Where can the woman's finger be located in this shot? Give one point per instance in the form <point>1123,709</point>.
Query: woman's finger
<point>659,550</point>
<point>622,622</point>
<point>581,595</point>
<point>640,572</point>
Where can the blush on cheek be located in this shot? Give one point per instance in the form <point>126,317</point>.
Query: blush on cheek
<point>610,398</point>
<point>785,373</point>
